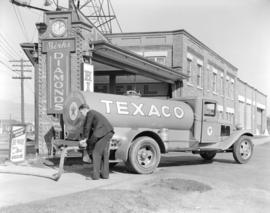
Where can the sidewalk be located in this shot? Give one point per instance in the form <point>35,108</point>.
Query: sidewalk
<point>259,140</point>
<point>16,189</point>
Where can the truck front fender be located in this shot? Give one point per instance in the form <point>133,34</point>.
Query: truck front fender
<point>127,135</point>
<point>227,142</point>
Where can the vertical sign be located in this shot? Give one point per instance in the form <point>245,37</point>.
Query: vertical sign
<point>17,143</point>
<point>88,77</point>
<point>58,72</point>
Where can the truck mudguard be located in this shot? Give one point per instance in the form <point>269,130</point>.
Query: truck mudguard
<point>227,142</point>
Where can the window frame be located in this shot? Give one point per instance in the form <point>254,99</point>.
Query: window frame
<point>204,109</point>
<point>189,70</point>
<point>214,82</point>
<point>199,75</point>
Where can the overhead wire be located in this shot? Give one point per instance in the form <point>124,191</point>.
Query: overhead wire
<point>21,26</point>
<point>35,28</point>
<point>6,42</point>
<point>21,19</point>
<point>116,17</point>
<point>6,53</point>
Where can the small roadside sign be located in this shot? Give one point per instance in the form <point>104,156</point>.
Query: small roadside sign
<point>17,147</point>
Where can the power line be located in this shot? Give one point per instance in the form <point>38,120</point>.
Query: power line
<point>21,19</point>
<point>6,53</point>
<point>35,28</point>
<point>21,26</point>
<point>11,49</point>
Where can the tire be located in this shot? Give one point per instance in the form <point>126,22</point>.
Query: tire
<point>144,156</point>
<point>243,150</point>
<point>208,155</point>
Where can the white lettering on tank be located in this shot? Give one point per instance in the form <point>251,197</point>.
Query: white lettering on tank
<point>163,111</point>
<point>179,113</point>
<point>107,103</point>
<point>154,111</point>
<point>138,109</point>
<point>122,108</point>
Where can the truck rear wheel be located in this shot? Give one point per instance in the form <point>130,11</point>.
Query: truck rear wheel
<point>243,150</point>
<point>208,155</point>
<point>144,155</point>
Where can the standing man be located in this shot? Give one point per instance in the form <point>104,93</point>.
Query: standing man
<point>97,133</point>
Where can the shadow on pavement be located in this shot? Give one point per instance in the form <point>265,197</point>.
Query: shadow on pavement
<point>76,165</point>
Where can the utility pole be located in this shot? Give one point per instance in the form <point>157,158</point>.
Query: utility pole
<point>21,69</point>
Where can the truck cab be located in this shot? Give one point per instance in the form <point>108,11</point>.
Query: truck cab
<point>207,128</point>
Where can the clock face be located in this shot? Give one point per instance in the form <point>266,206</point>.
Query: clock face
<point>58,28</point>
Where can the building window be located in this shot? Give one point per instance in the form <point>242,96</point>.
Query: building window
<point>220,115</point>
<point>158,59</point>
<point>232,89</point>
<point>228,89</point>
<point>189,70</point>
<point>208,78</point>
<point>199,75</point>
<point>161,60</point>
<point>221,84</point>
<point>214,85</point>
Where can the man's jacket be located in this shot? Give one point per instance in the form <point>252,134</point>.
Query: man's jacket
<point>95,126</point>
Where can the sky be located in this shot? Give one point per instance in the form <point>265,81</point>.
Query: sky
<point>238,30</point>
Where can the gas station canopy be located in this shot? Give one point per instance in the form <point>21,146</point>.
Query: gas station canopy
<point>128,61</point>
<point>124,60</point>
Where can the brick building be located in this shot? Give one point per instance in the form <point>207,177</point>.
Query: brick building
<point>156,64</point>
<point>210,75</point>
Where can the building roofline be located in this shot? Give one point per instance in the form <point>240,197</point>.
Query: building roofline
<point>238,79</point>
<point>180,31</point>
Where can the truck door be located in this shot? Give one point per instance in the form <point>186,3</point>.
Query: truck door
<point>210,128</point>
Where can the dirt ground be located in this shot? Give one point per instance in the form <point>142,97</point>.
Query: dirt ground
<point>156,195</point>
<point>182,183</point>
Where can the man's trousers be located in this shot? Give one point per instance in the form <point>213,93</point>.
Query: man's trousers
<point>100,156</point>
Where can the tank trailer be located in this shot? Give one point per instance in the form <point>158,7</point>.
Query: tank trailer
<point>145,128</point>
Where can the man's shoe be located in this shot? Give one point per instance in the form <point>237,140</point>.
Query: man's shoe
<point>86,158</point>
<point>95,178</point>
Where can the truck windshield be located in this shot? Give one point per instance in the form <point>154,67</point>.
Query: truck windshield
<point>209,109</point>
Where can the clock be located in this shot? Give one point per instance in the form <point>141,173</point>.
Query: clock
<point>59,28</point>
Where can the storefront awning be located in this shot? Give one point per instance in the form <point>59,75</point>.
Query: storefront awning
<point>112,55</point>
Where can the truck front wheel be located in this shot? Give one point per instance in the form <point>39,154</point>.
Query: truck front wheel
<point>207,155</point>
<point>144,155</point>
<point>242,150</point>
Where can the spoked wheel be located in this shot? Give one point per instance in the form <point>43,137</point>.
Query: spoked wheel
<point>243,150</point>
<point>208,155</point>
<point>144,155</point>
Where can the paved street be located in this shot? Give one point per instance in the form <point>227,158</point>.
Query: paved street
<point>222,185</point>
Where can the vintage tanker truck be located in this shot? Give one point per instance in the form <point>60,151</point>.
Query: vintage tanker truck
<point>146,127</point>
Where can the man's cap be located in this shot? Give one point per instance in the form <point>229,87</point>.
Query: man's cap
<point>84,106</point>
